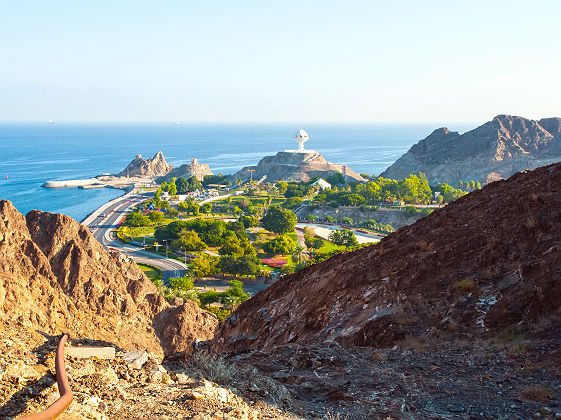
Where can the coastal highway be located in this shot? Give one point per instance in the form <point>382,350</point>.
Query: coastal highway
<point>104,224</point>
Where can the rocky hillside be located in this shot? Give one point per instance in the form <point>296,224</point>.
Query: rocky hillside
<point>55,277</point>
<point>485,264</point>
<point>493,151</point>
<point>140,167</point>
<point>294,166</point>
<point>187,170</point>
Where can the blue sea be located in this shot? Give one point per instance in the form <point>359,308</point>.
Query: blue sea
<point>31,154</point>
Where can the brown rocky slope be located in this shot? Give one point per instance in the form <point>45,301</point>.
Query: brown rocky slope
<point>479,266</point>
<point>493,151</point>
<point>55,277</point>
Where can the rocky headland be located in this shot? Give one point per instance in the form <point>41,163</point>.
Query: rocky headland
<point>140,167</point>
<point>493,151</point>
<point>296,166</point>
<point>187,170</point>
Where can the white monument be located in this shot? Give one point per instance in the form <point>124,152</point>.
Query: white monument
<point>301,137</point>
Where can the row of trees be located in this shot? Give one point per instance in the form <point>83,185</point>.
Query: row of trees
<point>180,185</point>
<point>136,219</point>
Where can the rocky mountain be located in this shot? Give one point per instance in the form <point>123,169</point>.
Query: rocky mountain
<point>493,151</point>
<point>296,166</point>
<point>55,277</point>
<point>187,170</point>
<point>484,264</point>
<point>157,166</point>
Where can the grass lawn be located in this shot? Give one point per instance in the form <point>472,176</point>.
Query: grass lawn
<point>329,247</point>
<point>153,273</point>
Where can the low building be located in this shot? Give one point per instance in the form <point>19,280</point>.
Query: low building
<point>322,184</point>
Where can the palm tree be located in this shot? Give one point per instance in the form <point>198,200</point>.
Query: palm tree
<point>299,254</point>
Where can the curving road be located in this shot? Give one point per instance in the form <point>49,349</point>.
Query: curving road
<point>102,228</point>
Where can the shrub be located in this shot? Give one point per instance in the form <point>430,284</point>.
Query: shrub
<point>282,244</point>
<point>221,313</point>
<point>181,283</point>
<point>410,211</point>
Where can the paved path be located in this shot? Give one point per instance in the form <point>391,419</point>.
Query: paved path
<point>104,224</point>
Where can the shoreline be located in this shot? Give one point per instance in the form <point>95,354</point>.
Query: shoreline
<point>91,216</point>
<point>127,185</point>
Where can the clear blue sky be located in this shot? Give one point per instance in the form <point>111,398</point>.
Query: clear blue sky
<point>279,61</point>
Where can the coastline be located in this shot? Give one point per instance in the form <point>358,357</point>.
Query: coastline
<point>128,185</point>
<point>90,217</point>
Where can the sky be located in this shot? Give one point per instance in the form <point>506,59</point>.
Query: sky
<point>267,61</point>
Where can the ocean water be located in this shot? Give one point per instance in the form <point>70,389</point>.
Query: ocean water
<point>31,154</point>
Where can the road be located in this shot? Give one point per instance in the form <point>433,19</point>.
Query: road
<point>103,226</point>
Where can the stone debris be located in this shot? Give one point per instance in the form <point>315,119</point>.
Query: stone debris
<point>136,358</point>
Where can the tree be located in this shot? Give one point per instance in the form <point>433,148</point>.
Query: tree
<point>439,199</point>
<point>248,221</point>
<point>310,218</point>
<point>330,219</point>
<point>245,264</point>
<point>347,221</point>
<point>336,179</point>
<point>279,220</point>
<point>234,295</point>
<point>190,241</point>
<point>298,255</point>
<point>231,247</point>
<point>172,189</point>
<point>478,185</point>
<point>472,185</point>
<point>343,237</point>
<point>204,265</point>
<point>156,217</point>
<point>183,206</point>
<point>181,283</point>
<point>193,208</point>
<point>206,208</point>
<point>182,185</point>
<point>136,219</point>
<point>282,244</point>
<point>187,184</point>
<point>282,186</point>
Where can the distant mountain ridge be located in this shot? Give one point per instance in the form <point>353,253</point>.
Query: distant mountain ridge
<point>495,150</point>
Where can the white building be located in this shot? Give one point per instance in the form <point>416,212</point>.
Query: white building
<point>322,184</point>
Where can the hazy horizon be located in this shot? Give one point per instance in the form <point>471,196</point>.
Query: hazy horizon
<point>252,62</point>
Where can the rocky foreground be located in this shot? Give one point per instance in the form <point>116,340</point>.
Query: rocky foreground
<point>493,151</point>
<point>455,316</point>
<point>55,277</point>
<point>458,314</point>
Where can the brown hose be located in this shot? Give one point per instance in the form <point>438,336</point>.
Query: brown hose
<point>63,388</point>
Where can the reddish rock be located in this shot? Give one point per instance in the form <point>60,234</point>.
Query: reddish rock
<point>489,261</point>
<point>55,277</point>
